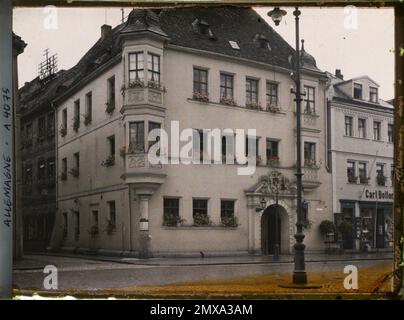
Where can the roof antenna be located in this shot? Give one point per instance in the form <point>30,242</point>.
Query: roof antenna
<point>123,14</point>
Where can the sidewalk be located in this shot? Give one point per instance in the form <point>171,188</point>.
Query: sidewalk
<point>38,261</point>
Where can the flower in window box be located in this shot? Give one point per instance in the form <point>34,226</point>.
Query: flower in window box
<point>200,97</point>
<point>87,119</point>
<point>63,131</point>
<point>94,231</point>
<point>111,227</point>
<point>309,111</point>
<point>230,221</point>
<point>273,160</point>
<point>201,219</point>
<point>110,107</point>
<point>381,179</point>
<point>135,148</point>
<point>136,84</point>
<point>253,105</point>
<point>74,172</point>
<point>227,101</point>
<point>172,220</point>
<point>352,178</point>
<point>76,123</point>
<point>310,163</point>
<point>273,108</point>
<point>109,162</point>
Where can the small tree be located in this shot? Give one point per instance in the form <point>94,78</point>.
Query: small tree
<point>327,227</point>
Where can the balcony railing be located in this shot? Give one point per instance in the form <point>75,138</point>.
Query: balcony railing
<point>310,178</point>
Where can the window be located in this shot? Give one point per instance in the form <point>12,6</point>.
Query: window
<point>136,137</point>
<point>390,132</point>
<point>64,119</point>
<point>76,119</point>
<point>226,87</point>
<point>198,145</point>
<point>111,90</point>
<point>76,158</point>
<point>357,91</point>
<point>136,66</point>
<point>28,131</point>
<point>247,143</point>
<point>362,128</point>
<point>152,126</point>
<point>227,213</point>
<point>112,213</point>
<point>28,178</point>
<point>272,151</point>
<point>351,172</point>
<point>309,153</point>
<point>64,169</point>
<point>171,214</point>
<point>272,94</point>
<point>392,174</point>
<point>380,177</point>
<point>51,124</point>
<point>348,126</point>
<point>89,107</point>
<point>376,130</point>
<point>65,225</point>
<point>200,82</point>
<point>153,67</point>
<point>373,94</point>
<point>94,214</point>
<point>51,171</point>
<point>77,225</point>
<point>41,128</point>
<point>200,211</point>
<point>362,168</point>
<point>41,171</point>
<point>310,100</point>
<point>251,91</point>
<point>228,154</point>
<point>111,145</point>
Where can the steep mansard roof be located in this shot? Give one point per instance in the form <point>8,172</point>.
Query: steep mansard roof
<point>207,29</point>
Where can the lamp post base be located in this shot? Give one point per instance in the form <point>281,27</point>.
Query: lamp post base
<point>299,278</point>
<point>300,286</point>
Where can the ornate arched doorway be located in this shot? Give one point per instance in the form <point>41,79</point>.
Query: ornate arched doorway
<point>274,226</point>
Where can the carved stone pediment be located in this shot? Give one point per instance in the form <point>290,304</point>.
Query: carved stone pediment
<point>271,183</point>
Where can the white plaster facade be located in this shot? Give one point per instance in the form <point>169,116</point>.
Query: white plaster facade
<point>138,188</point>
<point>356,199</point>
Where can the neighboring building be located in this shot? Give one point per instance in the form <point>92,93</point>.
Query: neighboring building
<point>37,149</point>
<point>18,48</point>
<point>221,68</point>
<point>362,161</point>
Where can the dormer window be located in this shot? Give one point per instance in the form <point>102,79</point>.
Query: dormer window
<point>357,91</point>
<point>373,94</point>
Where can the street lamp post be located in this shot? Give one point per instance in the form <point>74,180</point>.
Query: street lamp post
<point>299,272</point>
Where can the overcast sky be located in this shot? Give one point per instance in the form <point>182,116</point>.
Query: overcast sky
<point>365,50</point>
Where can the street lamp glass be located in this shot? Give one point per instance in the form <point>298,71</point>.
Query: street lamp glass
<point>276,15</point>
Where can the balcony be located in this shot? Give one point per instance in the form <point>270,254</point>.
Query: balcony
<point>139,170</point>
<point>140,93</point>
<point>310,178</point>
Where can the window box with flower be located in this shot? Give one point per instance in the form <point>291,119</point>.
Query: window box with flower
<point>201,220</point>
<point>273,108</point>
<point>63,176</point>
<point>110,107</point>
<point>172,220</point>
<point>228,101</point>
<point>253,105</point>
<point>111,227</point>
<point>87,119</point>
<point>352,178</point>
<point>76,123</point>
<point>273,161</point>
<point>229,222</point>
<point>310,163</point>
<point>63,131</point>
<point>381,179</point>
<point>202,97</point>
<point>74,172</point>
<point>94,231</point>
<point>109,161</point>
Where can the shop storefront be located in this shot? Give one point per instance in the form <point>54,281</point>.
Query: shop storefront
<point>368,224</point>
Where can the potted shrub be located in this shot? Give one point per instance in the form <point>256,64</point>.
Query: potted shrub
<point>327,227</point>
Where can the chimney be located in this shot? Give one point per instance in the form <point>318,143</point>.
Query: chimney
<point>338,74</point>
<point>105,30</point>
